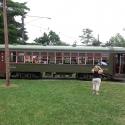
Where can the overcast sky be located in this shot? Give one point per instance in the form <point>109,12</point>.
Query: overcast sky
<point>70,17</point>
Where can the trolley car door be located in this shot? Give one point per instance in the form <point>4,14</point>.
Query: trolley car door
<point>120,63</point>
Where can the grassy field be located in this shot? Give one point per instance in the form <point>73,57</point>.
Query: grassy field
<point>62,102</point>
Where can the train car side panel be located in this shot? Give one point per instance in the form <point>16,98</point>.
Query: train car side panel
<point>2,64</point>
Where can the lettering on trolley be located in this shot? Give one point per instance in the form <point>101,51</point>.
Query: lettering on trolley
<point>13,67</point>
<point>105,68</point>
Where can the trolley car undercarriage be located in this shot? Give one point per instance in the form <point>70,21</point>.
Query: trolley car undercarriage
<point>37,75</point>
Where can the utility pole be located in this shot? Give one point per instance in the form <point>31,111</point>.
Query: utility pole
<point>23,29</point>
<point>98,37</point>
<point>6,45</point>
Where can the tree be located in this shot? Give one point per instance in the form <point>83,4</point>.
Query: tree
<point>61,43</point>
<point>110,43</point>
<point>117,40</point>
<point>50,39</point>
<point>87,37</point>
<point>96,42</point>
<point>14,27</point>
<point>43,40</point>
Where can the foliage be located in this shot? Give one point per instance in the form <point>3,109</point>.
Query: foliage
<point>61,102</point>
<point>96,42</point>
<point>116,40</point>
<point>87,36</point>
<point>109,43</point>
<point>50,39</point>
<point>14,28</point>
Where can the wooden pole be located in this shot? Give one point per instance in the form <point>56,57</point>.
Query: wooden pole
<point>6,45</point>
<point>23,29</point>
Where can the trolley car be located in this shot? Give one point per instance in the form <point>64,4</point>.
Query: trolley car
<point>37,61</point>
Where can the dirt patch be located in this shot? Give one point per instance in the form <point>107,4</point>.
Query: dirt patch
<point>11,85</point>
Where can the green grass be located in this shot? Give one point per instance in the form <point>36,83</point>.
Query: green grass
<point>62,102</point>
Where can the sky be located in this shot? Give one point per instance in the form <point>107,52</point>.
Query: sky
<point>105,18</point>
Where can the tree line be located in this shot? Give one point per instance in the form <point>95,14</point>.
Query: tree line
<point>15,9</point>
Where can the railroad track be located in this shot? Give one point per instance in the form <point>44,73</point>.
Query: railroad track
<point>62,78</point>
<point>113,80</point>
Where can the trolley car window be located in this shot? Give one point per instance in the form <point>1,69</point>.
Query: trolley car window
<point>74,54</point>
<point>97,55</point>
<point>59,58</point>
<point>66,58</point>
<point>74,58</point>
<point>51,58</point>
<point>28,58</point>
<point>20,56</point>
<point>12,56</point>
<point>81,54</point>
<point>97,58</point>
<point>36,53</point>
<point>81,58</point>
<point>105,54</point>
<point>90,58</point>
<point>44,57</point>
<point>44,53</point>
<point>105,58</point>
<point>51,54</point>
<point>96,61</point>
<point>66,54</point>
<point>28,53</point>
<point>58,54</point>
<point>36,57</point>
<point>90,55</point>
<point>89,62</point>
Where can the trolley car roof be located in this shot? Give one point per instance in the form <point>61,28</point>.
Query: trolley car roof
<point>64,48</point>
